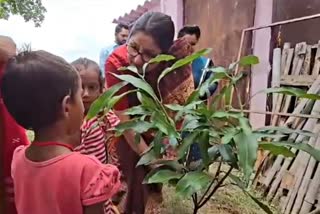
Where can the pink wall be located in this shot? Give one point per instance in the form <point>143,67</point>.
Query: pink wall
<point>173,8</point>
<point>260,72</point>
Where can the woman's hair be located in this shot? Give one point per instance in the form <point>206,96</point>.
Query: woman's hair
<point>159,26</point>
<point>84,63</point>
<point>34,85</point>
<point>190,30</point>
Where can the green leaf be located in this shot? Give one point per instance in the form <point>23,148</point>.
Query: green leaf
<point>161,58</point>
<point>163,176</point>
<point>214,153</point>
<point>293,92</point>
<point>147,158</point>
<point>229,133</point>
<point>192,182</point>
<point>285,130</point>
<point>227,95</point>
<point>276,149</point>
<point>315,153</point>
<point>247,152</point>
<point>228,155</point>
<point>245,125</point>
<point>157,144</point>
<point>137,138</point>
<point>146,101</point>
<point>173,164</point>
<point>203,143</point>
<point>137,110</point>
<point>138,83</point>
<point>249,60</point>
<point>135,125</point>
<point>186,143</point>
<point>103,100</point>
<point>182,62</point>
<point>115,99</point>
<point>131,68</point>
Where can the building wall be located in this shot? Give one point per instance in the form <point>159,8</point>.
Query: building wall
<point>221,23</point>
<point>308,31</point>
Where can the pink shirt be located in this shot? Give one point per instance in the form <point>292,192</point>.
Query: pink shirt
<point>62,185</point>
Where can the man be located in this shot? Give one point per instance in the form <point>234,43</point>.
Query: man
<point>11,135</point>
<point>192,34</point>
<point>121,35</point>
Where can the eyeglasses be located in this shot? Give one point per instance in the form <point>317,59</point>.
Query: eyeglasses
<point>132,51</point>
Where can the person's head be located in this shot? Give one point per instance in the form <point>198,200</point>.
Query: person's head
<point>7,48</point>
<point>43,93</point>
<point>121,34</point>
<point>191,33</point>
<point>92,81</point>
<point>152,34</point>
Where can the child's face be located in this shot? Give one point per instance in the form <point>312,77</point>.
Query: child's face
<point>90,86</point>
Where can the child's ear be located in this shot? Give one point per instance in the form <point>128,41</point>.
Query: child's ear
<point>66,106</point>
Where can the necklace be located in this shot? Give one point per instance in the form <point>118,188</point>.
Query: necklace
<point>53,144</point>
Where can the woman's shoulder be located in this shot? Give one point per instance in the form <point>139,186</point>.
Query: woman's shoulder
<point>119,57</point>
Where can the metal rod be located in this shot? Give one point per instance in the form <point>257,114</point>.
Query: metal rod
<point>300,19</point>
<point>277,113</point>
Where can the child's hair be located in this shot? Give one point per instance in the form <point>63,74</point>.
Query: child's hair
<point>34,86</point>
<point>83,63</point>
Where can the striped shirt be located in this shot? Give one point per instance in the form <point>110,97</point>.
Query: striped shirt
<point>94,135</point>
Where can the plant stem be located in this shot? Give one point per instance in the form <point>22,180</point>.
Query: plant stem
<point>239,98</point>
<point>215,188</point>
<point>216,177</point>
<point>195,203</point>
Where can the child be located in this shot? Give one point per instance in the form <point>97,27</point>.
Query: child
<point>96,137</point>
<point>11,135</point>
<point>43,93</point>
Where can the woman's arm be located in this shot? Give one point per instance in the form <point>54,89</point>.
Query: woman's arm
<point>129,135</point>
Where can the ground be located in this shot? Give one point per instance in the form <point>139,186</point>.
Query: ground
<point>229,200</point>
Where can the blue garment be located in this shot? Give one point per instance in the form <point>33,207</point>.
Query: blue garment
<point>104,54</point>
<point>198,69</point>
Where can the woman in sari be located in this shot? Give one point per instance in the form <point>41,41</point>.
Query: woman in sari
<point>151,35</point>
<point>11,135</point>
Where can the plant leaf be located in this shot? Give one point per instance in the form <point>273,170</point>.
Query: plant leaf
<point>315,153</point>
<point>137,110</point>
<point>228,155</point>
<point>131,68</point>
<point>115,99</point>
<point>103,100</point>
<point>185,61</point>
<point>247,152</point>
<point>137,126</point>
<point>162,58</point>
<point>138,83</point>
<point>293,92</point>
<point>186,143</point>
<point>163,176</point>
<point>147,158</point>
<point>192,182</point>
<point>203,143</point>
<point>249,60</point>
<point>285,130</point>
<point>276,149</point>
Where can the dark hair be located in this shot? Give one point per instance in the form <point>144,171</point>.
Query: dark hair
<point>83,63</point>
<point>119,28</point>
<point>190,30</point>
<point>159,26</point>
<point>34,85</point>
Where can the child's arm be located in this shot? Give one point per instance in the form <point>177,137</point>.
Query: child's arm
<point>94,209</point>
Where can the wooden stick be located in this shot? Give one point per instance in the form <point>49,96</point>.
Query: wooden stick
<point>306,179</point>
<point>316,67</point>
<point>314,116</point>
<point>307,62</point>
<point>276,71</point>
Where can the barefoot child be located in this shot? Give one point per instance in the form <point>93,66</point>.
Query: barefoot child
<point>43,93</point>
<point>96,137</point>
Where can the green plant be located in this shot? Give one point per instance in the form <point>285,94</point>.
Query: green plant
<point>224,136</point>
<point>29,9</point>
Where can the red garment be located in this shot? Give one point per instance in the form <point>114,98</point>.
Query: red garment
<point>13,137</point>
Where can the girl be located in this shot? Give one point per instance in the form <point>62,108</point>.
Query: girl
<point>11,135</point>
<point>43,93</point>
<point>151,35</point>
<point>96,137</point>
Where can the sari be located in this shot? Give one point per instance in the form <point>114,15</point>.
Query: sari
<point>175,88</point>
<point>11,137</point>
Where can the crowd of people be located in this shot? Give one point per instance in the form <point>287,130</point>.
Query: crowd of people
<point>75,165</point>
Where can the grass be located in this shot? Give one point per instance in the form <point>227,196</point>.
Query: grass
<point>228,200</point>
